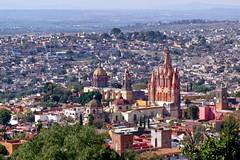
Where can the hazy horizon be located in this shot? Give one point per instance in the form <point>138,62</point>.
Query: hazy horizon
<point>111,5</point>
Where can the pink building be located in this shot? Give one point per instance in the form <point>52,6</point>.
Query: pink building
<point>207,113</point>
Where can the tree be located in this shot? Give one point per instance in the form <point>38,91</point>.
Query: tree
<point>193,112</point>
<point>3,150</point>
<point>63,143</point>
<point>226,146</point>
<point>130,155</point>
<point>87,97</point>
<point>90,119</point>
<point>28,117</point>
<point>139,86</point>
<point>187,102</point>
<point>191,143</point>
<point>5,116</point>
<point>19,136</point>
<point>236,94</point>
<point>81,119</point>
<point>230,139</point>
<point>116,31</point>
<point>105,36</point>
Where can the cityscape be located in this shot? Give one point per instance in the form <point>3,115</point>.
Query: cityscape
<point>137,83</point>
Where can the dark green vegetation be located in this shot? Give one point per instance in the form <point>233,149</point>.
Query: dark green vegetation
<point>147,36</point>
<point>3,150</point>
<point>139,86</point>
<point>55,94</point>
<point>237,94</point>
<point>132,155</point>
<point>66,143</point>
<point>193,112</point>
<point>200,146</point>
<point>201,87</point>
<point>5,116</point>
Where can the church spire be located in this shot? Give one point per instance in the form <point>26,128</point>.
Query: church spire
<point>127,84</point>
<point>167,59</point>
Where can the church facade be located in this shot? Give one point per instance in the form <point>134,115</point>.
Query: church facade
<point>164,87</point>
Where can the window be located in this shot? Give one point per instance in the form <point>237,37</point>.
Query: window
<point>155,142</point>
<point>127,145</point>
<point>134,117</point>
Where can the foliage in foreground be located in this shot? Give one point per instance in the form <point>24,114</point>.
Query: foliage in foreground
<point>225,147</point>
<point>5,116</point>
<point>66,143</point>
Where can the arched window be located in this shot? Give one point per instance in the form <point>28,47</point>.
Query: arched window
<point>156,142</point>
<point>134,117</point>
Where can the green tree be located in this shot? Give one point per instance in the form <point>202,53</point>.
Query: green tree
<point>90,119</point>
<point>130,155</point>
<point>5,116</point>
<point>65,143</point>
<point>87,97</point>
<point>191,143</point>
<point>28,117</point>
<point>3,150</point>
<point>193,112</point>
<point>116,31</point>
<point>224,147</point>
<point>139,86</point>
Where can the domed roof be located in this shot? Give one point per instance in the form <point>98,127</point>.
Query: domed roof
<point>99,72</point>
<point>93,103</point>
<point>120,101</point>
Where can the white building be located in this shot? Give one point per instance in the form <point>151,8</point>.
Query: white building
<point>75,112</point>
<point>49,118</point>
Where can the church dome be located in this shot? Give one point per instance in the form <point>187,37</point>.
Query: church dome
<point>120,101</point>
<point>93,104</point>
<point>99,72</point>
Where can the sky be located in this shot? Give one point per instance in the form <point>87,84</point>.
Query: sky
<point>115,4</point>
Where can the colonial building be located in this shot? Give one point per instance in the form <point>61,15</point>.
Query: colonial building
<point>164,87</point>
<point>122,141</point>
<point>100,78</point>
<point>100,84</point>
<point>94,109</point>
<point>127,83</point>
<point>161,137</point>
<point>221,99</point>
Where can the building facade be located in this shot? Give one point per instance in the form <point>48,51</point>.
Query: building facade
<point>100,84</point>
<point>164,87</point>
<point>221,99</point>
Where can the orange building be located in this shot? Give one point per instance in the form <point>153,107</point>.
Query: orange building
<point>164,86</point>
<point>121,142</point>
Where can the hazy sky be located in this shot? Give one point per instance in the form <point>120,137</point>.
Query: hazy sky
<point>111,4</point>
